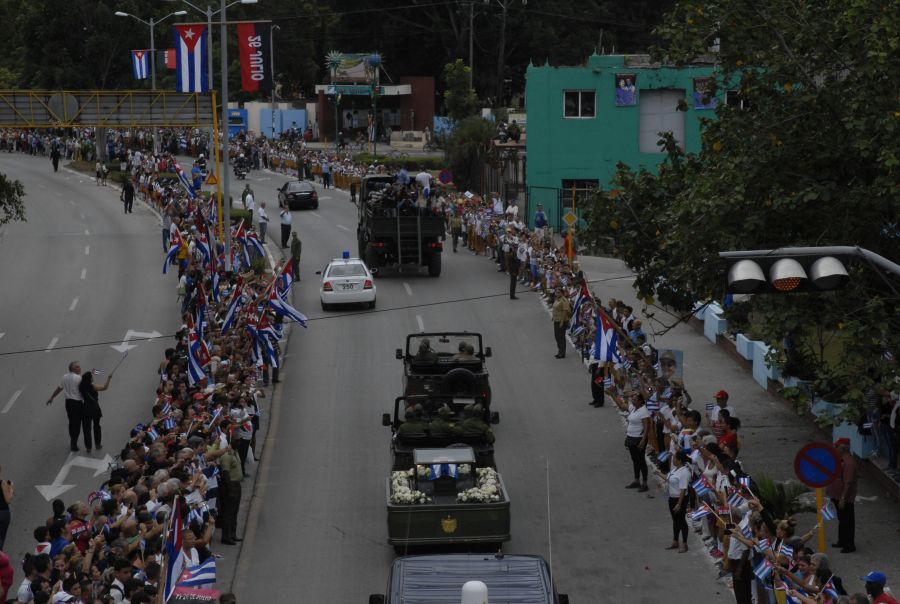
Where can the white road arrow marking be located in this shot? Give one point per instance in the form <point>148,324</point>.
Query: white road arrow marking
<point>420,322</point>
<point>407,288</point>
<point>12,401</point>
<point>133,335</point>
<point>340,226</point>
<point>52,491</point>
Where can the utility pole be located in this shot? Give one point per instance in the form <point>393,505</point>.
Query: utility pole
<point>471,42</point>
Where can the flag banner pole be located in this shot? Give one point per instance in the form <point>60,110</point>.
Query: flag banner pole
<point>820,520</point>
<point>219,201</point>
<point>124,354</point>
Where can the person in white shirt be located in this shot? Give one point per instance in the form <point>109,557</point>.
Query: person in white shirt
<point>286,220</point>
<point>637,430</point>
<point>677,482</point>
<point>74,402</point>
<point>512,210</point>
<point>263,218</point>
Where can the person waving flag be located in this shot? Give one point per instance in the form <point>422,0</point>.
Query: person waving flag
<point>283,309</point>
<point>175,244</point>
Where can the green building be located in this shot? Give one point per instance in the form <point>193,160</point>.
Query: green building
<point>584,120</point>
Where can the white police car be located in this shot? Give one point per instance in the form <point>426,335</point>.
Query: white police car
<point>347,280</point>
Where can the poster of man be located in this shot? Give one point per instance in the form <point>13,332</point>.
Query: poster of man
<point>671,364</point>
<point>625,89</point>
<point>703,94</point>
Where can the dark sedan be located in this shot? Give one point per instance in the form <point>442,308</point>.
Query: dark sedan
<point>298,194</point>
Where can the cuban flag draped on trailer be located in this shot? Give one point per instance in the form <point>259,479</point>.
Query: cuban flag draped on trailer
<point>190,58</point>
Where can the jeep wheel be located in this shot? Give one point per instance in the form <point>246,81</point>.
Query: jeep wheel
<point>434,265</point>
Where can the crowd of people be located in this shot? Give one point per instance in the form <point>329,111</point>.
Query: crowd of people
<point>184,465</point>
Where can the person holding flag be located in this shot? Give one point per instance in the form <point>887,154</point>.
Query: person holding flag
<point>91,413</point>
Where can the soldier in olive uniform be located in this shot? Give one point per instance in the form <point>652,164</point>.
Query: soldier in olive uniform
<point>412,425</point>
<point>441,425</point>
<point>473,424</point>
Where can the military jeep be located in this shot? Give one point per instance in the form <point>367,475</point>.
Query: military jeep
<point>436,364</point>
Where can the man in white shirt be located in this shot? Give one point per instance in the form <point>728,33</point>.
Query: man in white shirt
<point>74,403</point>
<point>263,218</point>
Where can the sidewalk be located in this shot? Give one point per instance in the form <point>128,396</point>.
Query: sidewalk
<point>771,433</point>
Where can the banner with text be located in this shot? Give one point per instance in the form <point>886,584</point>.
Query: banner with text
<point>255,47</point>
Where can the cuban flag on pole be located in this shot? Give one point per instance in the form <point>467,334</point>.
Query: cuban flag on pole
<point>190,58</point>
<point>174,551</point>
<point>583,297</point>
<point>199,576</point>
<point>236,300</point>
<point>605,341</point>
<point>282,308</point>
<point>285,281</point>
<point>185,182</point>
<point>139,64</point>
<point>175,243</point>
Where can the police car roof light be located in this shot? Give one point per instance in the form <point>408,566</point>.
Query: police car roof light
<point>345,254</point>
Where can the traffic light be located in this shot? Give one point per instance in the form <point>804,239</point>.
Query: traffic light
<point>784,271</point>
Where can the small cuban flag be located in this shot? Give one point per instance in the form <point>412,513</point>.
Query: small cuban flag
<point>140,63</point>
<point>828,512</point>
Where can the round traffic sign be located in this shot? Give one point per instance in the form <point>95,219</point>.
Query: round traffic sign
<point>817,465</point>
<point>445,176</point>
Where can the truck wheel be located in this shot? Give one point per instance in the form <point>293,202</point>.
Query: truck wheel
<point>371,258</point>
<point>434,265</point>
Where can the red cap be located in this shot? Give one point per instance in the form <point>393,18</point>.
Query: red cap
<point>842,441</point>
<point>721,394</point>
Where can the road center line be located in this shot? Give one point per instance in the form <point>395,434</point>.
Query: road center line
<point>87,250</point>
<point>340,226</point>
<point>11,401</point>
<point>73,304</point>
<point>83,273</point>
<point>52,344</point>
<point>407,288</point>
<point>419,321</point>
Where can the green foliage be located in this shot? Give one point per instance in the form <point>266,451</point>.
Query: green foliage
<point>814,160</point>
<point>468,150</point>
<point>782,499</point>
<point>459,97</point>
<point>12,204</point>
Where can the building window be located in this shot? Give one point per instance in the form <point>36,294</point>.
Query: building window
<point>579,104</point>
<point>734,98</point>
<point>659,113</point>
<point>577,191</point>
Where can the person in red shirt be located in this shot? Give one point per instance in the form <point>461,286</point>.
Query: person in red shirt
<point>6,576</point>
<point>78,526</point>
<point>875,582</point>
<point>732,424</point>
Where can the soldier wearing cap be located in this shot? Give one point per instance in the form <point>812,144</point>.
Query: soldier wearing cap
<point>412,424</point>
<point>475,425</point>
<point>442,425</point>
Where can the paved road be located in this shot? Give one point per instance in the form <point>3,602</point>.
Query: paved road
<point>319,523</point>
<point>79,271</point>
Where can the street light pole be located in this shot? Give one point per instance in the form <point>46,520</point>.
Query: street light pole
<point>272,29</point>
<point>226,127</point>
<point>152,56</point>
<point>471,41</point>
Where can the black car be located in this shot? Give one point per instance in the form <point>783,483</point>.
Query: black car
<point>298,194</point>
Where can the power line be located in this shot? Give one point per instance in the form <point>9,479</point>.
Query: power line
<point>309,319</point>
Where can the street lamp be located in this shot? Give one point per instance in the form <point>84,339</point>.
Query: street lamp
<point>209,12</point>
<point>272,29</point>
<point>151,23</point>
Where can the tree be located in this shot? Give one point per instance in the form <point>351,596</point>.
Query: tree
<point>12,206</point>
<point>469,150</point>
<point>459,97</point>
<point>810,157</point>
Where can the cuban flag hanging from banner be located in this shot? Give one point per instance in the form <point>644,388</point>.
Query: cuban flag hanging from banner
<point>139,64</point>
<point>190,58</point>
<point>605,341</point>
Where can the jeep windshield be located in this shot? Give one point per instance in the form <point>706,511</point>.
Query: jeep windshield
<point>445,345</point>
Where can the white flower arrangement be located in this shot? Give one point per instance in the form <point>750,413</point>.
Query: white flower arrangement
<point>401,492</point>
<point>488,488</point>
<point>424,472</point>
<point>465,469</point>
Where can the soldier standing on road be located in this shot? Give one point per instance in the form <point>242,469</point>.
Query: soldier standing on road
<point>54,157</point>
<point>455,229</point>
<point>230,495</point>
<point>74,401</point>
<point>510,249</point>
<point>843,495</point>
<point>296,250</point>
<point>127,196</point>
<point>562,311</point>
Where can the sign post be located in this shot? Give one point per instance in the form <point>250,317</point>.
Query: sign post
<point>817,465</point>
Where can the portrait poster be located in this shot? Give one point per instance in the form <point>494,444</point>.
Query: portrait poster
<point>703,94</point>
<point>625,89</point>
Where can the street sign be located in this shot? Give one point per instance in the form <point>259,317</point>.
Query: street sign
<point>817,465</point>
<point>445,176</point>
<point>212,180</point>
<point>570,218</point>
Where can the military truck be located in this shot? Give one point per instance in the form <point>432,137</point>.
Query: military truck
<point>433,365</point>
<point>393,232</point>
<point>444,498</point>
<point>512,579</point>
